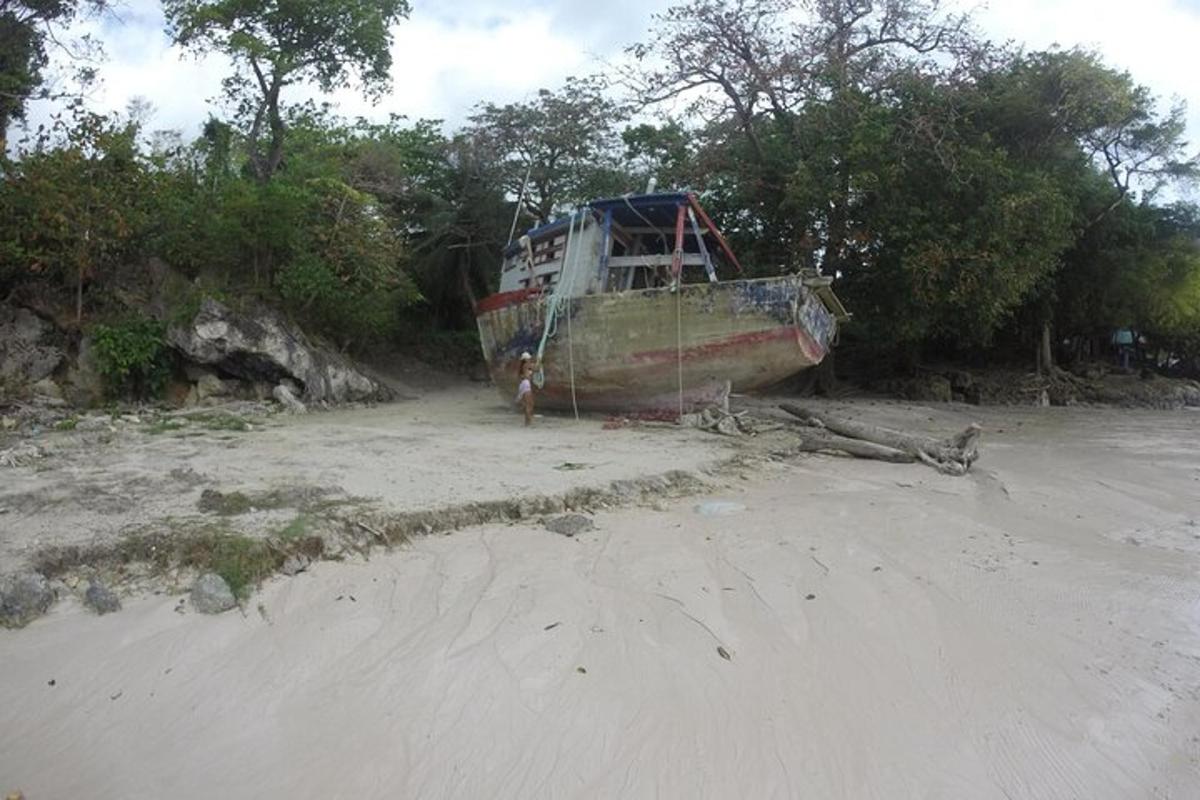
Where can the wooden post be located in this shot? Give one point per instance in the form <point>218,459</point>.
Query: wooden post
<point>708,223</point>
<point>677,258</point>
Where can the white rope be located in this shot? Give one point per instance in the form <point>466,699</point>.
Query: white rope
<point>550,326</point>
<point>679,342</point>
<point>571,266</point>
<point>561,296</point>
<point>520,199</point>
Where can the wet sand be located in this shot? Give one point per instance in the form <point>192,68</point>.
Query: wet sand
<point>840,629</point>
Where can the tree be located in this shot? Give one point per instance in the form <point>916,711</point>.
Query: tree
<point>795,79</point>
<point>26,26</point>
<point>1101,138</point>
<point>73,206</point>
<point>281,42</point>
<point>664,152</point>
<point>565,141</point>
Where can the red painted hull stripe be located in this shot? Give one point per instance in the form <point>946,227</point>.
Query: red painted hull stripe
<point>713,349</point>
<point>505,299</point>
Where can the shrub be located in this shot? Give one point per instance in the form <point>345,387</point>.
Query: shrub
<point>132,357</point>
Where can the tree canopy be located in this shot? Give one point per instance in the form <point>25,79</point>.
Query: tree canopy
<point>281,42</point>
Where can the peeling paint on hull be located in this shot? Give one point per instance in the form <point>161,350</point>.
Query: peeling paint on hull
<point>629,350</point>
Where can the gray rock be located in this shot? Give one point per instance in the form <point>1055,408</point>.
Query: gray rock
<point>211,594</point>
<point>264,346</point>
<point>28,352</point>
<point>47,388</point>
<point>98,422</point>
<point>570,524</point>
<point>288,400</point>
<point>295,564</point>
<point>84,385</point>
<point>210,385</point>
<point>24,598</point>
<point>101,599</point>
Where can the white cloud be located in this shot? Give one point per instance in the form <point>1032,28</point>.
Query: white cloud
<point>440,69</point>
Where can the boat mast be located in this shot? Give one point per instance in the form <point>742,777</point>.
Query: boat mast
<point>520,199</point>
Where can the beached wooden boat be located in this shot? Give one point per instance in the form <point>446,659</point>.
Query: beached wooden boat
<point>621,306</point>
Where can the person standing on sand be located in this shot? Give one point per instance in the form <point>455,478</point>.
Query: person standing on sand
<point>525,391</point>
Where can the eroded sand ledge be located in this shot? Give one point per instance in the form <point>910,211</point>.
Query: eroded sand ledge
<point>1031,630</point>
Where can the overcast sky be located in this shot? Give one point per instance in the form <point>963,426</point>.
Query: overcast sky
<point>451,54</point>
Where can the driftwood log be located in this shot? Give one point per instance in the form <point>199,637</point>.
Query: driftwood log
<point>952,456</point>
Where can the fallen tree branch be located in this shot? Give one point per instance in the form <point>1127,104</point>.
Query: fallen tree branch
<point>952,456</point>
<point>814,442</point>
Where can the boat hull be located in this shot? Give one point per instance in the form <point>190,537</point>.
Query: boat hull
<point>655,349</point>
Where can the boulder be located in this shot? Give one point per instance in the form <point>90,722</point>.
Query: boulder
<point>211,594</point>
<point>210,385</point>
<point>295,564</point>
<point>570,524</point>
<point>24,598</point>
<point>288,399</point>
<point>84,385</point>
<point>48,389</point>
<point>262,345</point>
<point>101,599</point>
<point>28,352</point>
<point>95,422</point>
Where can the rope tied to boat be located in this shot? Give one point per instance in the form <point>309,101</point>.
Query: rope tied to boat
<point>560,297</point>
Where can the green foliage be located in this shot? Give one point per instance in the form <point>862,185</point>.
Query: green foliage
<point>242,561</point>
<point>347,283</point>
<point>75,205</point>
<point>222,421</point>
<point>565,141</point>
<point>963,194</point>
<point>165,425</point>
<point>454,350</point>
<point>26,27</point>
<point>298,528</point>
<point>273,44</point>
<point>132,357</point>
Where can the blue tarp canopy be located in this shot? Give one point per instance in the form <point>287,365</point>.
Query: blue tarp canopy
<point>656,209</point>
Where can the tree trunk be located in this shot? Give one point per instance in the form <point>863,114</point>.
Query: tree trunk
<point>953,456</point>
<point>815,442</point>
<point>464,276</point>
<point>1045,352</point>
<point>79,296</point>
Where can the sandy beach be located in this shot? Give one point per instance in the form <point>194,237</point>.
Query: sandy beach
<point>810,627</point>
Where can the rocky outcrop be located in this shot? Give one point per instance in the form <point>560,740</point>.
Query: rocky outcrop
<point>263,347</point>
<point>28,351</point>
<point>84,386</point>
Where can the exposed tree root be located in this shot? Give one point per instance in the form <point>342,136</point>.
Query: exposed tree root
<point>952,456</point>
